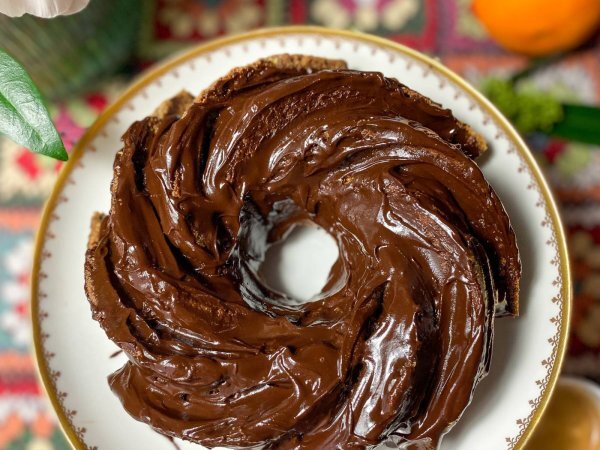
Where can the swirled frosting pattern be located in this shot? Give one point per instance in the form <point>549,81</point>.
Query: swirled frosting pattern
<point>402,332</point>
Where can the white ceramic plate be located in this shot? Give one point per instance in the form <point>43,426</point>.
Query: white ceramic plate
<point>74,354</point>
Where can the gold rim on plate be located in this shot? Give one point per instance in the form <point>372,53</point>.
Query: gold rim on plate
<point>156,72</point>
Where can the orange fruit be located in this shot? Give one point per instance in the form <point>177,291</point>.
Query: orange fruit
<point>538,27</point>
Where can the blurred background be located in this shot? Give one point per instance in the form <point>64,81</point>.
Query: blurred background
<point>537,60</point>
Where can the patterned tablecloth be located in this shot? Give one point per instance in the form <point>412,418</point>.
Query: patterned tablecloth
<point>442,27</point>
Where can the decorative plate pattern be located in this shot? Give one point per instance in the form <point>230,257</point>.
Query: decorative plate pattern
<point>74,356</point>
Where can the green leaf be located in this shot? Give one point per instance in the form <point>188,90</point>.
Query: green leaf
<point>580,123</point>
<point>23,116</point>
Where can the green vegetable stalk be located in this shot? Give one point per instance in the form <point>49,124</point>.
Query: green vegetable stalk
<point>531,110</point>
<point>528,110</point>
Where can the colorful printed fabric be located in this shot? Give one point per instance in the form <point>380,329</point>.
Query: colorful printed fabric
<point>173,24</point>
<point>442,27</point>
<point>27,421</point>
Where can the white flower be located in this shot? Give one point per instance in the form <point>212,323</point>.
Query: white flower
<point>41,8</point>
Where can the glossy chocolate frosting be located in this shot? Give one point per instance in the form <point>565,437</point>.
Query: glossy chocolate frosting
<point>402,332</point>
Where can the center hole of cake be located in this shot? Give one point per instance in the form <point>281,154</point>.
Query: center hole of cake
<point>299,265</point>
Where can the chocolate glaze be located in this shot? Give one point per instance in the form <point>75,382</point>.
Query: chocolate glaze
<point>401,334</point>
